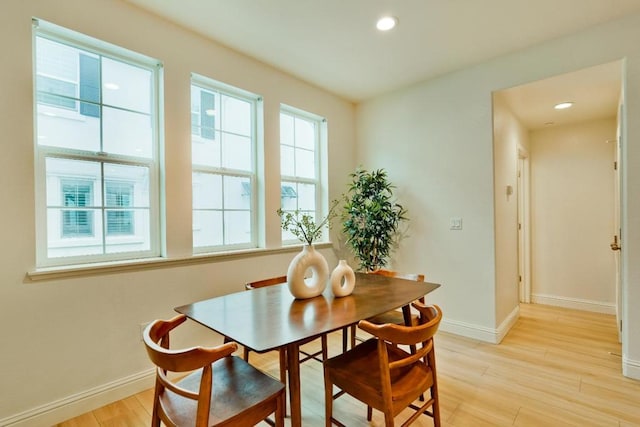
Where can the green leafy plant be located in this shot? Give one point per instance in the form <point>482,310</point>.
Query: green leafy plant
<point>371,218</point>
<point>303,225</point>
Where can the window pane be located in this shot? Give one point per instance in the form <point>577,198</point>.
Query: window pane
<point>207,228</point>
<point>237,192</point>
<point>56,60</point>
<point>288,196</point>
<point>307,197</point>
<point>126,186</point>
<point>236,116</point>
<point>59,127</point>
<point>207,191</point>
<point>204,113</point>
<point>305,134</point>
<point>206,152</point>
<point>84,241</point>
<point>138,239</point>
<point>286,129</point>
<point>59,170</point>
<point>305,164</point>
<point>236,152</point>
<point>237,227</point>
<point>126,86</point>
<point>127,133</point>
<point>287,161</point>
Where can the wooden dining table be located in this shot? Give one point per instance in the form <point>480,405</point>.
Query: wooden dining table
<point>269,318</point>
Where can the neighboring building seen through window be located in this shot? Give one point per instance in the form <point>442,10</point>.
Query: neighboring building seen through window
<point>223,141</point>
<point>96,149</point>
<point>300,187</point>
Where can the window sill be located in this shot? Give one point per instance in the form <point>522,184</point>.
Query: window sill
<point>51,273</point>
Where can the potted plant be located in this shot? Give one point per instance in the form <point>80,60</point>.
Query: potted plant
<point>307,230</point>
<point>371,218</point>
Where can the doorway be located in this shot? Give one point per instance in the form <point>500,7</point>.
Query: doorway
<point>596,95</point>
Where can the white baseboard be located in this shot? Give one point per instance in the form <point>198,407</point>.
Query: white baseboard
<point>71,406</point>
<point>631,368</point>
<point>481,333</point>
<point>507,324</point>
<point>574,303</point>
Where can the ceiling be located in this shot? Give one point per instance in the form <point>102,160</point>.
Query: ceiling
<point>334,45</point>
<point>595,92</point>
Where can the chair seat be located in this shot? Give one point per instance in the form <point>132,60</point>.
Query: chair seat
<point>236,386</point>
<point>357,372</point>
<point>394,317</point>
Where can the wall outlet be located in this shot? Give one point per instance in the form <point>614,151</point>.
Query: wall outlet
<point>455,224</point>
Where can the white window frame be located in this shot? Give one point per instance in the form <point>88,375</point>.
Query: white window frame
<point>256,106</point>
<point>59,34</point>
<point>319,180</point>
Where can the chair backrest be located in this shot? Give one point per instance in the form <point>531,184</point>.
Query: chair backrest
<point>394,335</point>
<point>266,282</point>
<point>156,340</point>
<point>407,276</point>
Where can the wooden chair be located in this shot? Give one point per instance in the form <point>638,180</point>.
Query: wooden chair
<point>320,355</point>
<point>394,316</point>
<point>223,390</point>
<point>386,377</point>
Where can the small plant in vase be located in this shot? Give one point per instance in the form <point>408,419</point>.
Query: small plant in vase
<point>304,226</point>
<point>307,230</point>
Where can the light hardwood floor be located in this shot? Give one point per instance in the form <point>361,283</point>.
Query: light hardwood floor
<point>556,367</point>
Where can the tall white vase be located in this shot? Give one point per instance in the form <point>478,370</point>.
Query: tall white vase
<point>307,260</point>
<point>343,279</point>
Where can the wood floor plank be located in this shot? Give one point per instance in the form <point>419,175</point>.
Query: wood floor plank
<point>555,367</point>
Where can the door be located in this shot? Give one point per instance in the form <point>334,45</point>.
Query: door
<point>524,256</point>
<point>616,244</point>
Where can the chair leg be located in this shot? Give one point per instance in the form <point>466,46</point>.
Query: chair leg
<point>281,409</point>
<point>435,408</point>
<point>328,400</point>
<point>369,413</point>
<point>246,354</point>
<point>155,418</point>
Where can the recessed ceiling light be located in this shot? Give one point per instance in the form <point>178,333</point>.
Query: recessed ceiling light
<point>563,105</point>
<point>111,86</point>
<point>386,23</point>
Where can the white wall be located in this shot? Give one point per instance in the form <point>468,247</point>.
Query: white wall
<point>435,138</point>
<point>71,338</point>
<point>509,136</point>
<point>572,197</point>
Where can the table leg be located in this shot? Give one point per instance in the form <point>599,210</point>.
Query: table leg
<point>293,365</point>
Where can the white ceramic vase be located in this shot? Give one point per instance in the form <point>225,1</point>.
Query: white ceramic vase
<point>307,260</point>
<point>343,279</point>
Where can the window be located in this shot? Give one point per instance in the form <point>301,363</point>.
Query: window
<point>96,149</point>
<point>223,141</point>
<point>300,188</point>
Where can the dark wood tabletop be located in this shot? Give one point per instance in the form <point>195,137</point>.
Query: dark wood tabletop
<point>270,317</point>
